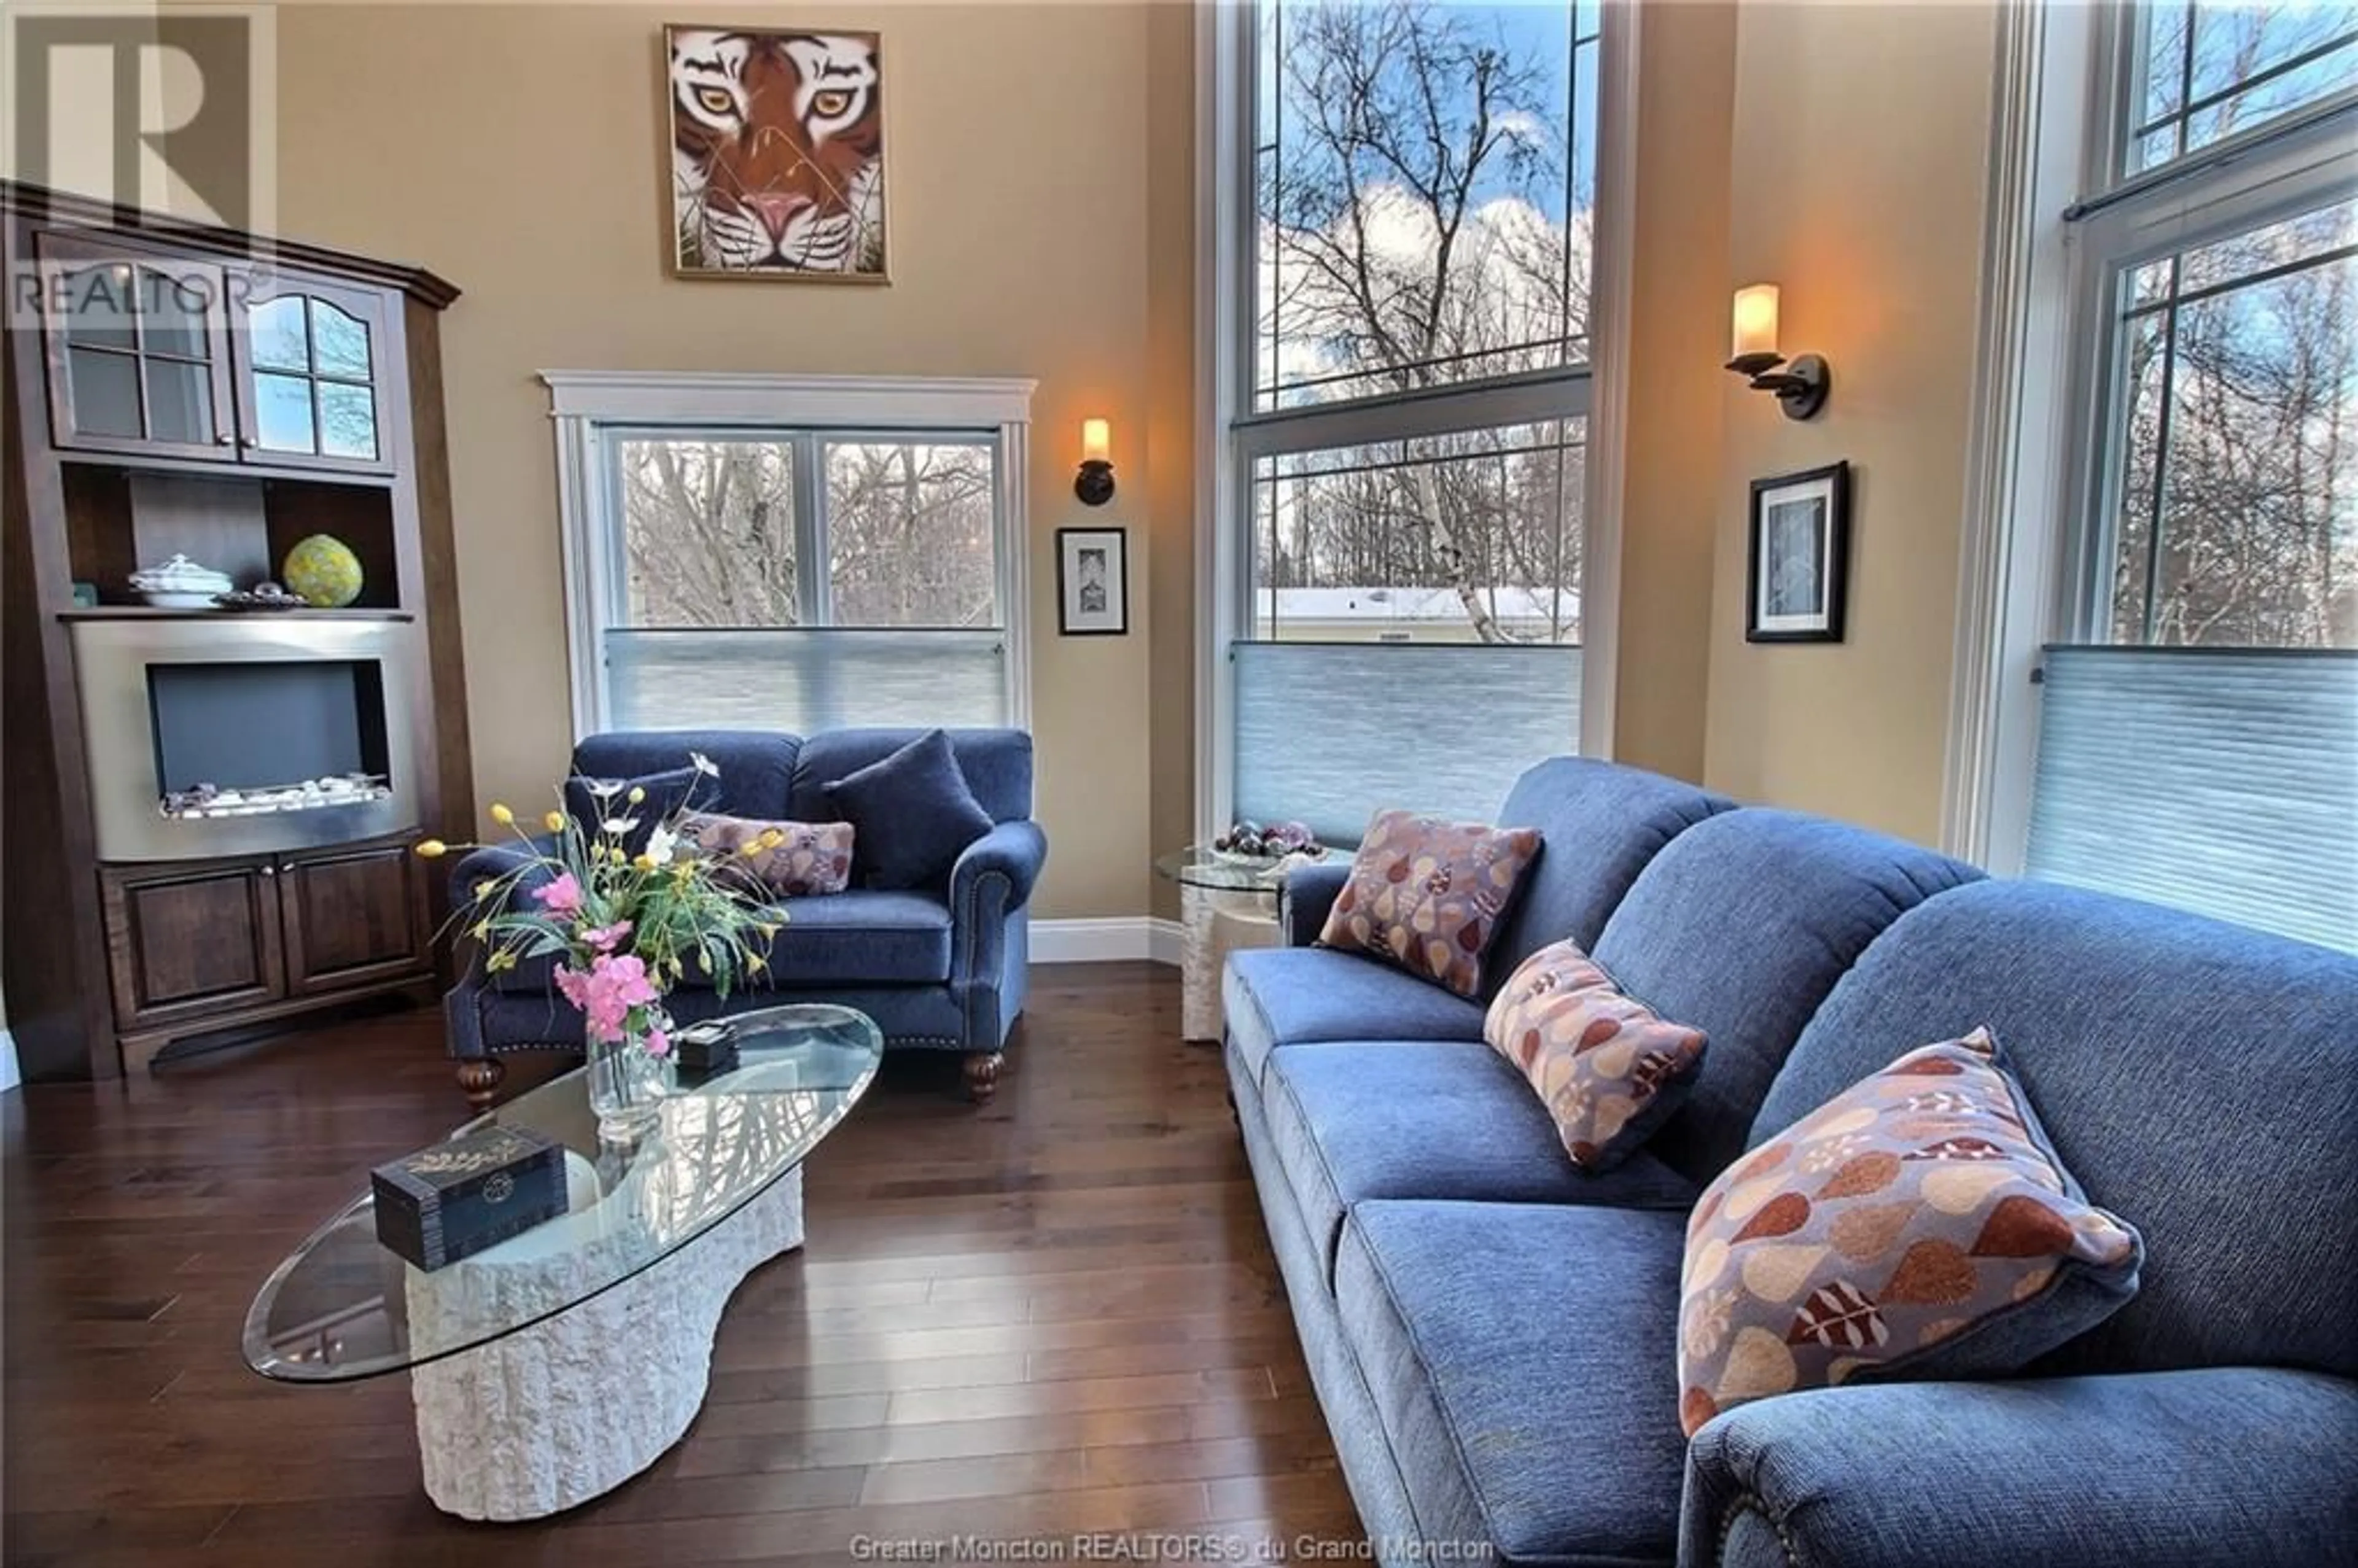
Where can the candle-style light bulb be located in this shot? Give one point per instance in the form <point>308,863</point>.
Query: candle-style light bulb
<point>1097,441</point>
<point>1755,321</point>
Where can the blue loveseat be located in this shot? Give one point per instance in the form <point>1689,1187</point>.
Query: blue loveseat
<point>1493,1335</point>
<point>938,969</point>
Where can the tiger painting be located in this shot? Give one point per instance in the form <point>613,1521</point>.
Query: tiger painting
<point>777,154</point>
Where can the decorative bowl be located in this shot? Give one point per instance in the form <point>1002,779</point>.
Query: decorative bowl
<point>180,584</point>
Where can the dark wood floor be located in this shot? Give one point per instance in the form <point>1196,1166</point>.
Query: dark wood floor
<point>1056,1315</point>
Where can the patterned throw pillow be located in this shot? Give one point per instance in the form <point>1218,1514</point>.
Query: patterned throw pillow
<point>1916,1225</point>
<point>1428,894</point>
<point>812,860</point>
<point>1605,1065</point>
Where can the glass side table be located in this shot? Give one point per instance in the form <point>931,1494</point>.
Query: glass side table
<point>1225,903</point>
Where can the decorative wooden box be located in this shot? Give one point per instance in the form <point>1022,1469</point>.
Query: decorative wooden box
<point>703,1052</point>
<point>457,1199</point>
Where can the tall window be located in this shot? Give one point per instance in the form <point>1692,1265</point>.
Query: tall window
<point>2198,738</point>
<point>796,577</point>
<point>1408,433</point>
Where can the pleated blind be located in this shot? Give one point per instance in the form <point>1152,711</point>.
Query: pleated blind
<point>2221,780</point>
<point>1329,734</point>
<point>804,680</point>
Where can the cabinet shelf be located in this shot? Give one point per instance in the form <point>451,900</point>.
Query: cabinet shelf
<point>160,612</point>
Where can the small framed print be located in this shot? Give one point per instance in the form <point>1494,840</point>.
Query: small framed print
<point>1800,570</point>
<point>1093,581</point>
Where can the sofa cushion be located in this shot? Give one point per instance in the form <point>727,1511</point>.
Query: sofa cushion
<point>2200,1077</point>
<point>592,803</point>
<point>1275,996</point>
<point>995,763</point>
<point>1916,1225</point>
<point>863,936</point>
<point>755,765</point>
<point>1514,1355</point>
<point>1599,824</point>
<point>913,813</point>
<point>1428,896</point>
<point>809,860</point>
<point>1739,928</point>
<point>1605,1064</point>
<point>1399,1119</point>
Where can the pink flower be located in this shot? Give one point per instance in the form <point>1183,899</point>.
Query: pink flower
<point>606,939</point>
<point>561,897</point>
<point>607,994</point>
<point>658,1044</point>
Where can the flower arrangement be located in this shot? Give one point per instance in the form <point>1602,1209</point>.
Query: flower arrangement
<point>622,925</point>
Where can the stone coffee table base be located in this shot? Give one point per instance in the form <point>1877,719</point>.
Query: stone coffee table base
<point>550,1416</point>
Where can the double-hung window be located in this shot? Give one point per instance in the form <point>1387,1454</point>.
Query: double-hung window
<point>2197,718</point>
<point>847,561</point>
<point>1405,399</point>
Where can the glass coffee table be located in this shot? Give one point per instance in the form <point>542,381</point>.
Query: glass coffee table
<point>557,1365</point>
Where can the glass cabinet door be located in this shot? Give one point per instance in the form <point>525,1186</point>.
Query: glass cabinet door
<point>137,349</point>
<point>311,386</point>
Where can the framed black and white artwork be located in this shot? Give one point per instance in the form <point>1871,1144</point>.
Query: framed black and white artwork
<point>1800,569</point>
<point>1093,581</point>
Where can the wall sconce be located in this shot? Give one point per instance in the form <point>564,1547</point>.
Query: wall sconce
<point>1800,387</point>
<point>1094,484</point>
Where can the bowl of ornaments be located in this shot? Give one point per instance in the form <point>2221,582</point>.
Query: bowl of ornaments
<point>1248,843</point>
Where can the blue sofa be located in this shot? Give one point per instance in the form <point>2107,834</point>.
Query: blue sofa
<point>938,969</point>
<point>1493,1335</point>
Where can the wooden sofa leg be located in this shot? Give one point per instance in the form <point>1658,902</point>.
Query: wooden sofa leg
<point>983,1075</point>
<point>479,1077</point>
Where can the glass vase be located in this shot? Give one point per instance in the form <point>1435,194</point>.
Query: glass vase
<point>627,1084</point>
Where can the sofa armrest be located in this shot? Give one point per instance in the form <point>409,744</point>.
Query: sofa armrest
<point>1012,851</point>
<point>2228,1467</point>
<point>1305,897</point>
<point>490,863</point>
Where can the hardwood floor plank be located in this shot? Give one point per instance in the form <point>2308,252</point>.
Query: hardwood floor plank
<point>1056,1316</point>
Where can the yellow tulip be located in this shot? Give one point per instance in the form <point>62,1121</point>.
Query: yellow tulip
<point>503,815</point>
<point>752,847</point>
<point>499,961</point>
<point>644,863</point>
<point>756,964</point>
<point>432,849</point>
<point>555,821</point>
<point>481,929</point>
<point>637,795</point>
<point>483,888</point>
<point>773,838</point>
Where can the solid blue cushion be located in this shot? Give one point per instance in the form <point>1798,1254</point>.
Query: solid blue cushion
<point>1429,1119</point>
<point>863,935</point>
<point>1521,1358</point>
<point>755,765</point>
<point>592,802</point>
<point>1739,928</point>
<point>2231,1468</point>
<point>1274,995</point>
<point>911,812</point>
<point>2199,1079</point>
<point>1599,824</point>
<point>995,763</point>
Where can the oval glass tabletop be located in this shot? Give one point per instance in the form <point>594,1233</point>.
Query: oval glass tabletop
<point>344,1307</point>
<point>1201,866</point>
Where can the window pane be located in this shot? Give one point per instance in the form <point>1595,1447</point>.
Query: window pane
<point>180,402</point>
<point>105,392</point>
<point>278,339</point>
<point>282,414</point>
<point>174,321</point>
<point>1424,195</point>
<point>910,533</point>
<point>2238,444</point>
<point>1472,537</point>
<point>709,532</point>
<point>347,421</point>
<point>2210,70</point>
<point>343,340</point>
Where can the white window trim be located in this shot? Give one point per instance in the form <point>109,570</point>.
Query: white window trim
<point>1223,276</point>
<point>581,402</point>
<point>2039,444</point>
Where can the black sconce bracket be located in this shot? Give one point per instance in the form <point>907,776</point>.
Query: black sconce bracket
<point>1799,388</point>
<point>1093,483</point>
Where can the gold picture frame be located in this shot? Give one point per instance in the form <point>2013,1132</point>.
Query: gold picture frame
<point>821,174</point>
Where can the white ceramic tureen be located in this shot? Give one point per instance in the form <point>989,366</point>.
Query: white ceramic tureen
<point>180,584</point>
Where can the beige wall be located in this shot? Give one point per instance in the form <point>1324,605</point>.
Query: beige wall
<point>517,150</point>
<point>1857,178</point>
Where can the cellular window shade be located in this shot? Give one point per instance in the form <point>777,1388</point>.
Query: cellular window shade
<point>804,681</point>
<point>2221,780</point>
<point>1329,734</point>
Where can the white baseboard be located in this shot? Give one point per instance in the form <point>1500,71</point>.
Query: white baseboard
<point>1108,940</point>
<point>8,1079</point>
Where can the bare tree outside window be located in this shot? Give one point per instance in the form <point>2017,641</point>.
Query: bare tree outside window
<point>709,532</point>
<point>909,535</point>
<point>1424,192</point>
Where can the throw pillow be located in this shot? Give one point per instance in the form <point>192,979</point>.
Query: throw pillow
<point>1428,896</point>
<point>592,803</point>
<point>810,859</point>
<point>1606,1067</point>
<point>1916,1225</point>
<point>912,812</point>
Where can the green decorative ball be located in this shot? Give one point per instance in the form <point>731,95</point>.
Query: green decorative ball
<point>323,572</point>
